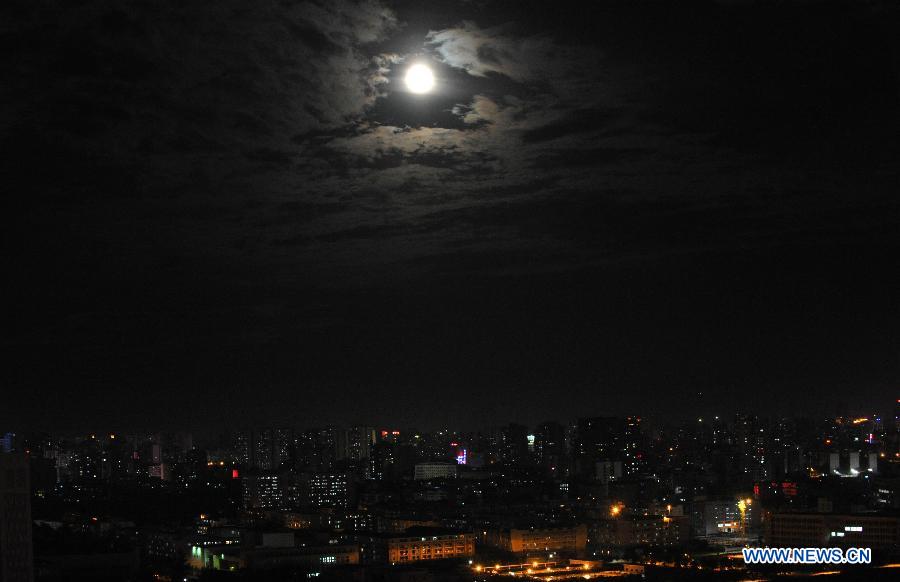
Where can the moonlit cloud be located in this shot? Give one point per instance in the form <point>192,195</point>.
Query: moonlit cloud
<point>481,51</point>
<point>270,125</point>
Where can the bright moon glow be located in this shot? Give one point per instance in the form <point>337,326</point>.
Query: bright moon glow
<point>419,79</point>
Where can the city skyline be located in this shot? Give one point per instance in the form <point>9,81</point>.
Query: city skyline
<point>600,496</point>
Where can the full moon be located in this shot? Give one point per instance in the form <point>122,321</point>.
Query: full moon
<point>419,79</point>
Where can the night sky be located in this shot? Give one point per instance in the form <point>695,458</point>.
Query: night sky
<point>222,213</point>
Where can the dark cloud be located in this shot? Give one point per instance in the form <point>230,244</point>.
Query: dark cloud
<point>579,121</point>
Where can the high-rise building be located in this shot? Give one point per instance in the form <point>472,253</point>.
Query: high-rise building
<point>383,463</point>
<point>307,450</point>
<point>550,448</point>
<point>243,448</point>
<point>597,439</point>
<point>359,443</point>
<point>16,560</point>
<point>283,446</point>
<point>263,445</point>
<point>266,449</point>
<point>329,490</point>
<point>319,449</point>
<point>513,444</point>
<point>633,458</point>
<point>752,439</point>
<point>262,491</point>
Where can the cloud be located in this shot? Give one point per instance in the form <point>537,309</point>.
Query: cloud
<point>482,51</point>
<point>282,118</point>
<point>130,78</point>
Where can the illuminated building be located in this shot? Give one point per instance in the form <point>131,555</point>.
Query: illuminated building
<point>261,492</point>
<point>243,448</point>
<point>320,449</point>
<point>16,562</point>
<point>282,446</point>
<point>826,529</point>
<point>266,449</point>
<point>553,539</point>
<point>847,463</point>
<point>644,530</point>
<point>389,436</point>
<point>306,451</point>
<point>263,444</point>
<point>711,517</point>
<point>382,463</point>
<point>329,490</point>
<point>752,439</point>
<point>428,471</point>
<point>359,443</point>
<point>419,544</point>
<point>315,558</point>
<point>633,460</point>
<point>266,550</point>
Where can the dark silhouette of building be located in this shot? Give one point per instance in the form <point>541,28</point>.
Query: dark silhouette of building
<point>550,448</point>
<point>16,560</point>
<point>595,440</point>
